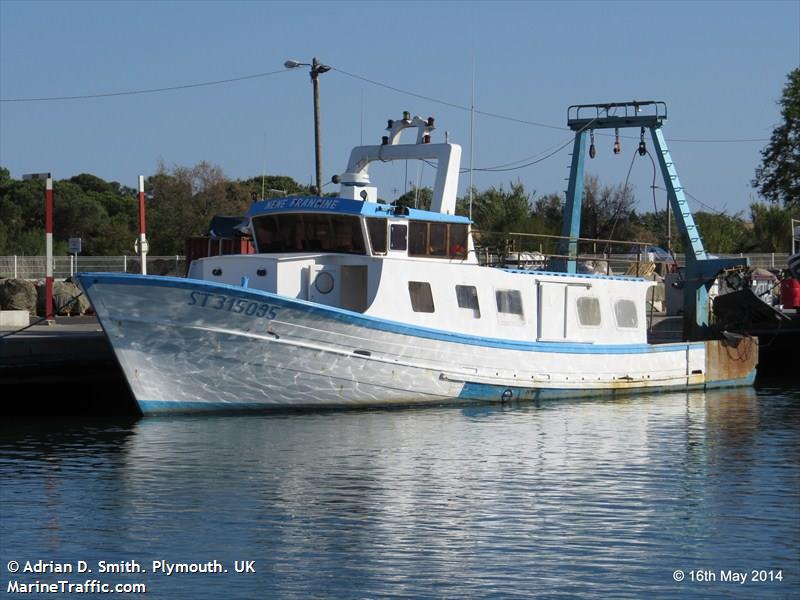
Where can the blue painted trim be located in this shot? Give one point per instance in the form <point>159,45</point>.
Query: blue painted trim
<point>345,316</point>
<point>294,204</point>
<point>149,407</point>
<point>747,380</point>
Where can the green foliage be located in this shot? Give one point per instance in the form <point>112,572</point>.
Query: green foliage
<point>182,200</point>
<point>498,210</point>
<point>778,177</point>
<point>416,198</point>
<point>606,210</point>
<point>772,228</point>
<point>722,234</point>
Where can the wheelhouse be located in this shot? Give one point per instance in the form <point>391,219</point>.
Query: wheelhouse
<point>336,225</point>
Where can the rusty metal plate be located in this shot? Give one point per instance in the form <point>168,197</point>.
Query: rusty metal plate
<point>731,359</point>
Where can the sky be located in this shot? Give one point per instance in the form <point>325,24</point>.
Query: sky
<point>719,66</point>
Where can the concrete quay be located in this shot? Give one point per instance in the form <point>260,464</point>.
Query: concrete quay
<point>67,368</point>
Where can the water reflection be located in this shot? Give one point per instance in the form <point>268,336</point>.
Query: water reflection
<point>585,497</point>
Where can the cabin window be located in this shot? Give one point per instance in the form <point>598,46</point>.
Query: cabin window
<point>626,314</point>
<point>421,297</point>
<point>377,235</point>
<point>458,240</point>
<point>418,241</point>
<point>509,306</point>
<point>308,232</point>
<point>398,237</point>
<point>440,240</point>
<point>589,311</point>
<point>467,297</point>
<point>437,239</point>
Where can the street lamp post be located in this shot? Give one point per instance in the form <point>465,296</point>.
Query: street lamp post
<point>317,68</point>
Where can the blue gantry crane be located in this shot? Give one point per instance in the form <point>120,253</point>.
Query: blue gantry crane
<point>701,270</point>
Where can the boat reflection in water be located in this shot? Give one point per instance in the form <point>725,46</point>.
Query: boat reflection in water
<point>588,498</point>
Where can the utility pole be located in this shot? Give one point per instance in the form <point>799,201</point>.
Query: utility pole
<point>317,68</point>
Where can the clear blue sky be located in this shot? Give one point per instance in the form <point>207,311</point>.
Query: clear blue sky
<point>720,66</point>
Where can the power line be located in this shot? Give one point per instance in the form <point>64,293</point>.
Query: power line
<point>147,91</point>
<point>354,76</point>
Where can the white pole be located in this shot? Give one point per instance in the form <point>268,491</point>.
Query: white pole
<point>15,266</point>
<point>142,224</point>
<point>48,202</point>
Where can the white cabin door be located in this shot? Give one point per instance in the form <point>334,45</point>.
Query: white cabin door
<point>552,315</point>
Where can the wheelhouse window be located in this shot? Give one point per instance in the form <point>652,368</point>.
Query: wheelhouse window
<point>421,296</point>
<point>438,240</point>
<point>467,297</point>
<point>589,311</point>
<point>458,240</point>
<point>398,236</point>
<point>509,306</point>
<point>308,232</point>
<point>626,314</point>
<point>376,228</point>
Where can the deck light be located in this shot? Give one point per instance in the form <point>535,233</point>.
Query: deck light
<point>642,145</point>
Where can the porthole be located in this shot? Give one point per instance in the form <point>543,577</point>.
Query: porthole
<point>323,282</point>
<point>216,272</point>
<point>261,272</point>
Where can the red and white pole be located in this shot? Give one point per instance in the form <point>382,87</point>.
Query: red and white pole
<point>48,228</point>
<point>142,227</point>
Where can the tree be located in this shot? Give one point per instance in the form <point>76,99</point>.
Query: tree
<point>722,234</point>
<point>778,177</point>
<point>416,198</point>
<point>772,227</point>
<point>606,210</point>
<point>184,199</point>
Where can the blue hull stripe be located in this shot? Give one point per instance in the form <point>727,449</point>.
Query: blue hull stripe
<point>345,316</point>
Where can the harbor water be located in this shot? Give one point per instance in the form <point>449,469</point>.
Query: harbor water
<point>664,495</point>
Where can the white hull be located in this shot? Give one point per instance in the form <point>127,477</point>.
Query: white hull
<point>189,345</point>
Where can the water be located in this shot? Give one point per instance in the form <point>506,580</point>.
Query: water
<point>559,500</point>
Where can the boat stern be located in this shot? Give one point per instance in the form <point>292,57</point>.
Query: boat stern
<point>731,360</point>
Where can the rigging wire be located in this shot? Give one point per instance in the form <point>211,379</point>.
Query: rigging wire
<point>446,103</point>
<point>700,202</point>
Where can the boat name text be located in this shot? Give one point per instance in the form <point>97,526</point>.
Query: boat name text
<point>324,203</point>
<point>233,304</point>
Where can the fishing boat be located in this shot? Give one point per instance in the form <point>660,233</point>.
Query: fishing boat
<point>348,301</point>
